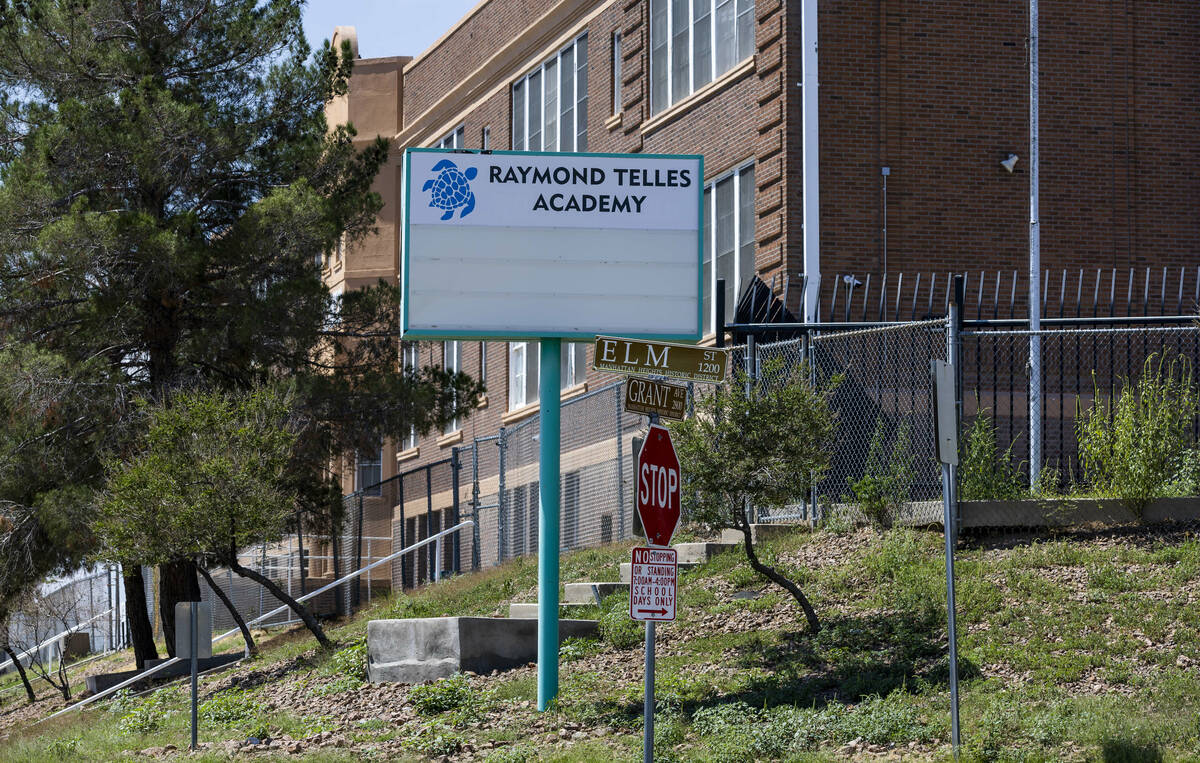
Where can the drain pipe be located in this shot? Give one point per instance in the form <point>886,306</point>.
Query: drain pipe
<point>1035,264</point>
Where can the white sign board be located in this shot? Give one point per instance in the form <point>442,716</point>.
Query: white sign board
<point>945,419</point>
<point>652,584</point>
<point>513,244</point>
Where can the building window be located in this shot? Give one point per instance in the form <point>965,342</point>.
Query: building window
<point>485,140</point>
<point>574,363</point>
<point>452,362</point>
<point>522,374</point>
<point>483,362</point>
<point>692,42</point>
<point>550,103</point>
<point>368,471</point>
<point>409,353</point>
<point>453,140</point>
<point>728,231</point>
<point>616,72</point>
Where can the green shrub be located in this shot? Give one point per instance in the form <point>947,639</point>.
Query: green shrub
<point>1134,449</point>
<point>984,473</point>
<point>887,480</point>
<point>64,749</point>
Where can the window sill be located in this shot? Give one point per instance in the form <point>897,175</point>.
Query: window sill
<point>447,440</point>
<point>482,402</point>
<point>518,414</point>
<point>407,455</point>
<point>614,121</point>
<point>525,411</point>
<point>679,108</point>
<point>574,391</point>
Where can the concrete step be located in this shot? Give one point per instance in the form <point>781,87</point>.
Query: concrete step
<point>591,593</point>
<point>760,532</point>
<point>627,570</point>
<point>699,553</point>
<point>529,610</point>
<point>424,649</point>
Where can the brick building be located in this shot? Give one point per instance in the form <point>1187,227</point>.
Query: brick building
<point>936,92</point>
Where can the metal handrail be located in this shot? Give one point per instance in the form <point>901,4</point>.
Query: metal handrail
<point>35,649</point>
<point>147,673</point>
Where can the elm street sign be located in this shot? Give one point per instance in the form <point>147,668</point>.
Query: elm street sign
<point>642,358</point>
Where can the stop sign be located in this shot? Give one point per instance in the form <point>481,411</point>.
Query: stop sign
<point>658,486</point>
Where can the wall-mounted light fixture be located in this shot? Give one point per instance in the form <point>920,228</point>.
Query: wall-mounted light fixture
<point>1010,162</point>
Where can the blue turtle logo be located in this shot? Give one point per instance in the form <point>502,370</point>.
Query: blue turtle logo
<point>451,189</point>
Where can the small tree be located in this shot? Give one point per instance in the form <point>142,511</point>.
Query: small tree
<point>45,615</point>
<point>211,477</point>
<point>763,446</point>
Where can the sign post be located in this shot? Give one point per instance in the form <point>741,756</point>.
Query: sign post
<point>946,435</point>
<point>542,246</point>
<point>652,585</point>
<point>193,643</point>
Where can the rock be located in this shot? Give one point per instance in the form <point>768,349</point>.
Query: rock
<point>603,731</point>
<point>151,752</point>
<point>232,746</point>
<point>579,735</point>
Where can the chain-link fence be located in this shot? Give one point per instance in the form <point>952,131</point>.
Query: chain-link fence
<point>499,480</point>
<point>882,404</point>
<point>1077,365</point>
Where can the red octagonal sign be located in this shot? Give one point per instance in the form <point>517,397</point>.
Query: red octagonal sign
<point>658,486</point>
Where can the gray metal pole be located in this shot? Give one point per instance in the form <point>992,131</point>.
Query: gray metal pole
<point>193,621</point>
<point>949,533</point>
<point>648,702</point>
<point>1035,260</point>
<point>620,402</point>
<point>950,511</point>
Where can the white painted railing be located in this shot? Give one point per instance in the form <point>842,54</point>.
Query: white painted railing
<point>435,539</point>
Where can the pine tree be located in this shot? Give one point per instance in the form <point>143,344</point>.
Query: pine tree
<point>167,185</point>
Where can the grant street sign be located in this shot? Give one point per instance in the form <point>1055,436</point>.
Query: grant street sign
<point>654,397</point>
<point>679,361</point>
<point>652,584</point>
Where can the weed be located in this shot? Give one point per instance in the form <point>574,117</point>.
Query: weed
<point>337,686</point>
<point>1133,450</point>
<point>350,661</point>
<point>453,695</point>
<point>517,753</point>
<point>578,648</point>
<point>616,628</point>
<point>986,474</point>
<point>436,739</point>
<point>231,708</point>
<point>148,715</point>
<point>887,479</point>
<point>66,748</point>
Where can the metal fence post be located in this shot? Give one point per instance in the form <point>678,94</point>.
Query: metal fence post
<point>475,535</point>
<point>501,498</point>
<point>620,399</point>
<point>429,514</point>
<point>455,547</point>
<point>403,522</point>
<point>751,379</point>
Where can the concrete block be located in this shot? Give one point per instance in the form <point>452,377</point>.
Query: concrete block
<point>1068,512</point>
<point>760,532</point>
<point>427,648</point>
<point>699,553</point>
<point>530,609</point>
<point>591,593</point>
<point>102,681</point>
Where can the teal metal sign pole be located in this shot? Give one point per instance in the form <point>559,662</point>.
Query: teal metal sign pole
<point>550,408</point>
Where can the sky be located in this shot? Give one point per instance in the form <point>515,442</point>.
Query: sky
<point>385,27</point>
